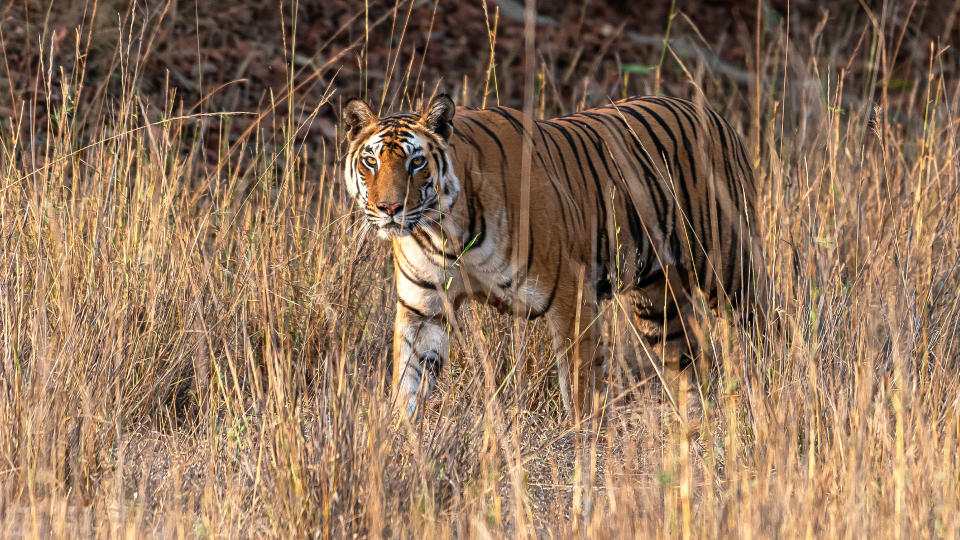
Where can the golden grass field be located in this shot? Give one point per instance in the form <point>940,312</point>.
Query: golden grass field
<point>194,342</point>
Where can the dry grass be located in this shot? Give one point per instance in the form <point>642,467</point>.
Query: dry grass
<point>193,343</point>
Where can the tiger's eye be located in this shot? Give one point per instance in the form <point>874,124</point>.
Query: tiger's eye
<point>418,162</point>
<point>370,162</point>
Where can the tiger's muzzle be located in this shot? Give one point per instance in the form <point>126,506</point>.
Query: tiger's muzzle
<point>394,218</point>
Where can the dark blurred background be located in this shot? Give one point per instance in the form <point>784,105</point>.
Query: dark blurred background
<point>237,55</point>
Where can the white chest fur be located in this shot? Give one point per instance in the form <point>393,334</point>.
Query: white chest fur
<point>473,267</point>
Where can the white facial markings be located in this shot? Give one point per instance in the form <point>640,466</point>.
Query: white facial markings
<point>416,161</point>
<point>420,155</point>
<point>355,184</point>
<point>370,161</point>
<point>413,146</point>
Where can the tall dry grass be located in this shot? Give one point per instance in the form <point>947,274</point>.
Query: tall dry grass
<point>193,340</point>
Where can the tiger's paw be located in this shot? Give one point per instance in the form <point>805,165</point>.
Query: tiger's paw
<point>420,383</point>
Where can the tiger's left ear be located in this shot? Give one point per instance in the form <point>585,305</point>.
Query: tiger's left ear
<point>438,115</point>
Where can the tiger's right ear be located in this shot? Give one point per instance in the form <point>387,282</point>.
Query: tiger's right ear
<point>356,116</point>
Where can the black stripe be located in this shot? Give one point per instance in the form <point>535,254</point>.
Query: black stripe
<point>466,137</point>
<point>414,310</point>
<point>603,247</point>
<point>675,335</point>
<point>509,118</point>
<point>726,154</point>
<point>641,242</point>
<point>530,245</point>
<point>649,279</point>
<point>413,279</point>
<point>684,205</point>
<point>599,202</point>
<point>491,134</point>
<point>662,155</point>
<point>473,202</point>
<point>648,179</point>
<point>432,362</point>
<point>577,209</point>
<point>426,244</point>
<point>550,178</point>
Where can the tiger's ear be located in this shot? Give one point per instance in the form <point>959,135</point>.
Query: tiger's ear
<point>438,115</point>
<point>356,116</point>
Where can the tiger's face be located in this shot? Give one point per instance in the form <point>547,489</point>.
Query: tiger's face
<point>397,167</point>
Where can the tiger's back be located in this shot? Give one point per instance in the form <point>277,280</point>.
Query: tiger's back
<point>626,189</point>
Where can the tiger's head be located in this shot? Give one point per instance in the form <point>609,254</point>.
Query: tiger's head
<point>397,167</point>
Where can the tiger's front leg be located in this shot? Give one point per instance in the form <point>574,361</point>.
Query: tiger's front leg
<point>420,348</point>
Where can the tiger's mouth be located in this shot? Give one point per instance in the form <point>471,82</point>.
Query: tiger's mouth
<point>393,229</point>
<point>402,224</point>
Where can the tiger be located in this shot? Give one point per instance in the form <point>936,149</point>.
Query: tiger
<point>650,198</point>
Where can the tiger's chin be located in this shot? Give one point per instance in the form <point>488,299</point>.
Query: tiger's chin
<point>394,230</point>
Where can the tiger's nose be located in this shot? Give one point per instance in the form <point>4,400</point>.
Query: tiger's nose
<point>390,208</point>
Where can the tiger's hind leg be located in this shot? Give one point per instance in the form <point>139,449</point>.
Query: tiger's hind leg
<point>665,322</point>
<point>578,345</point>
